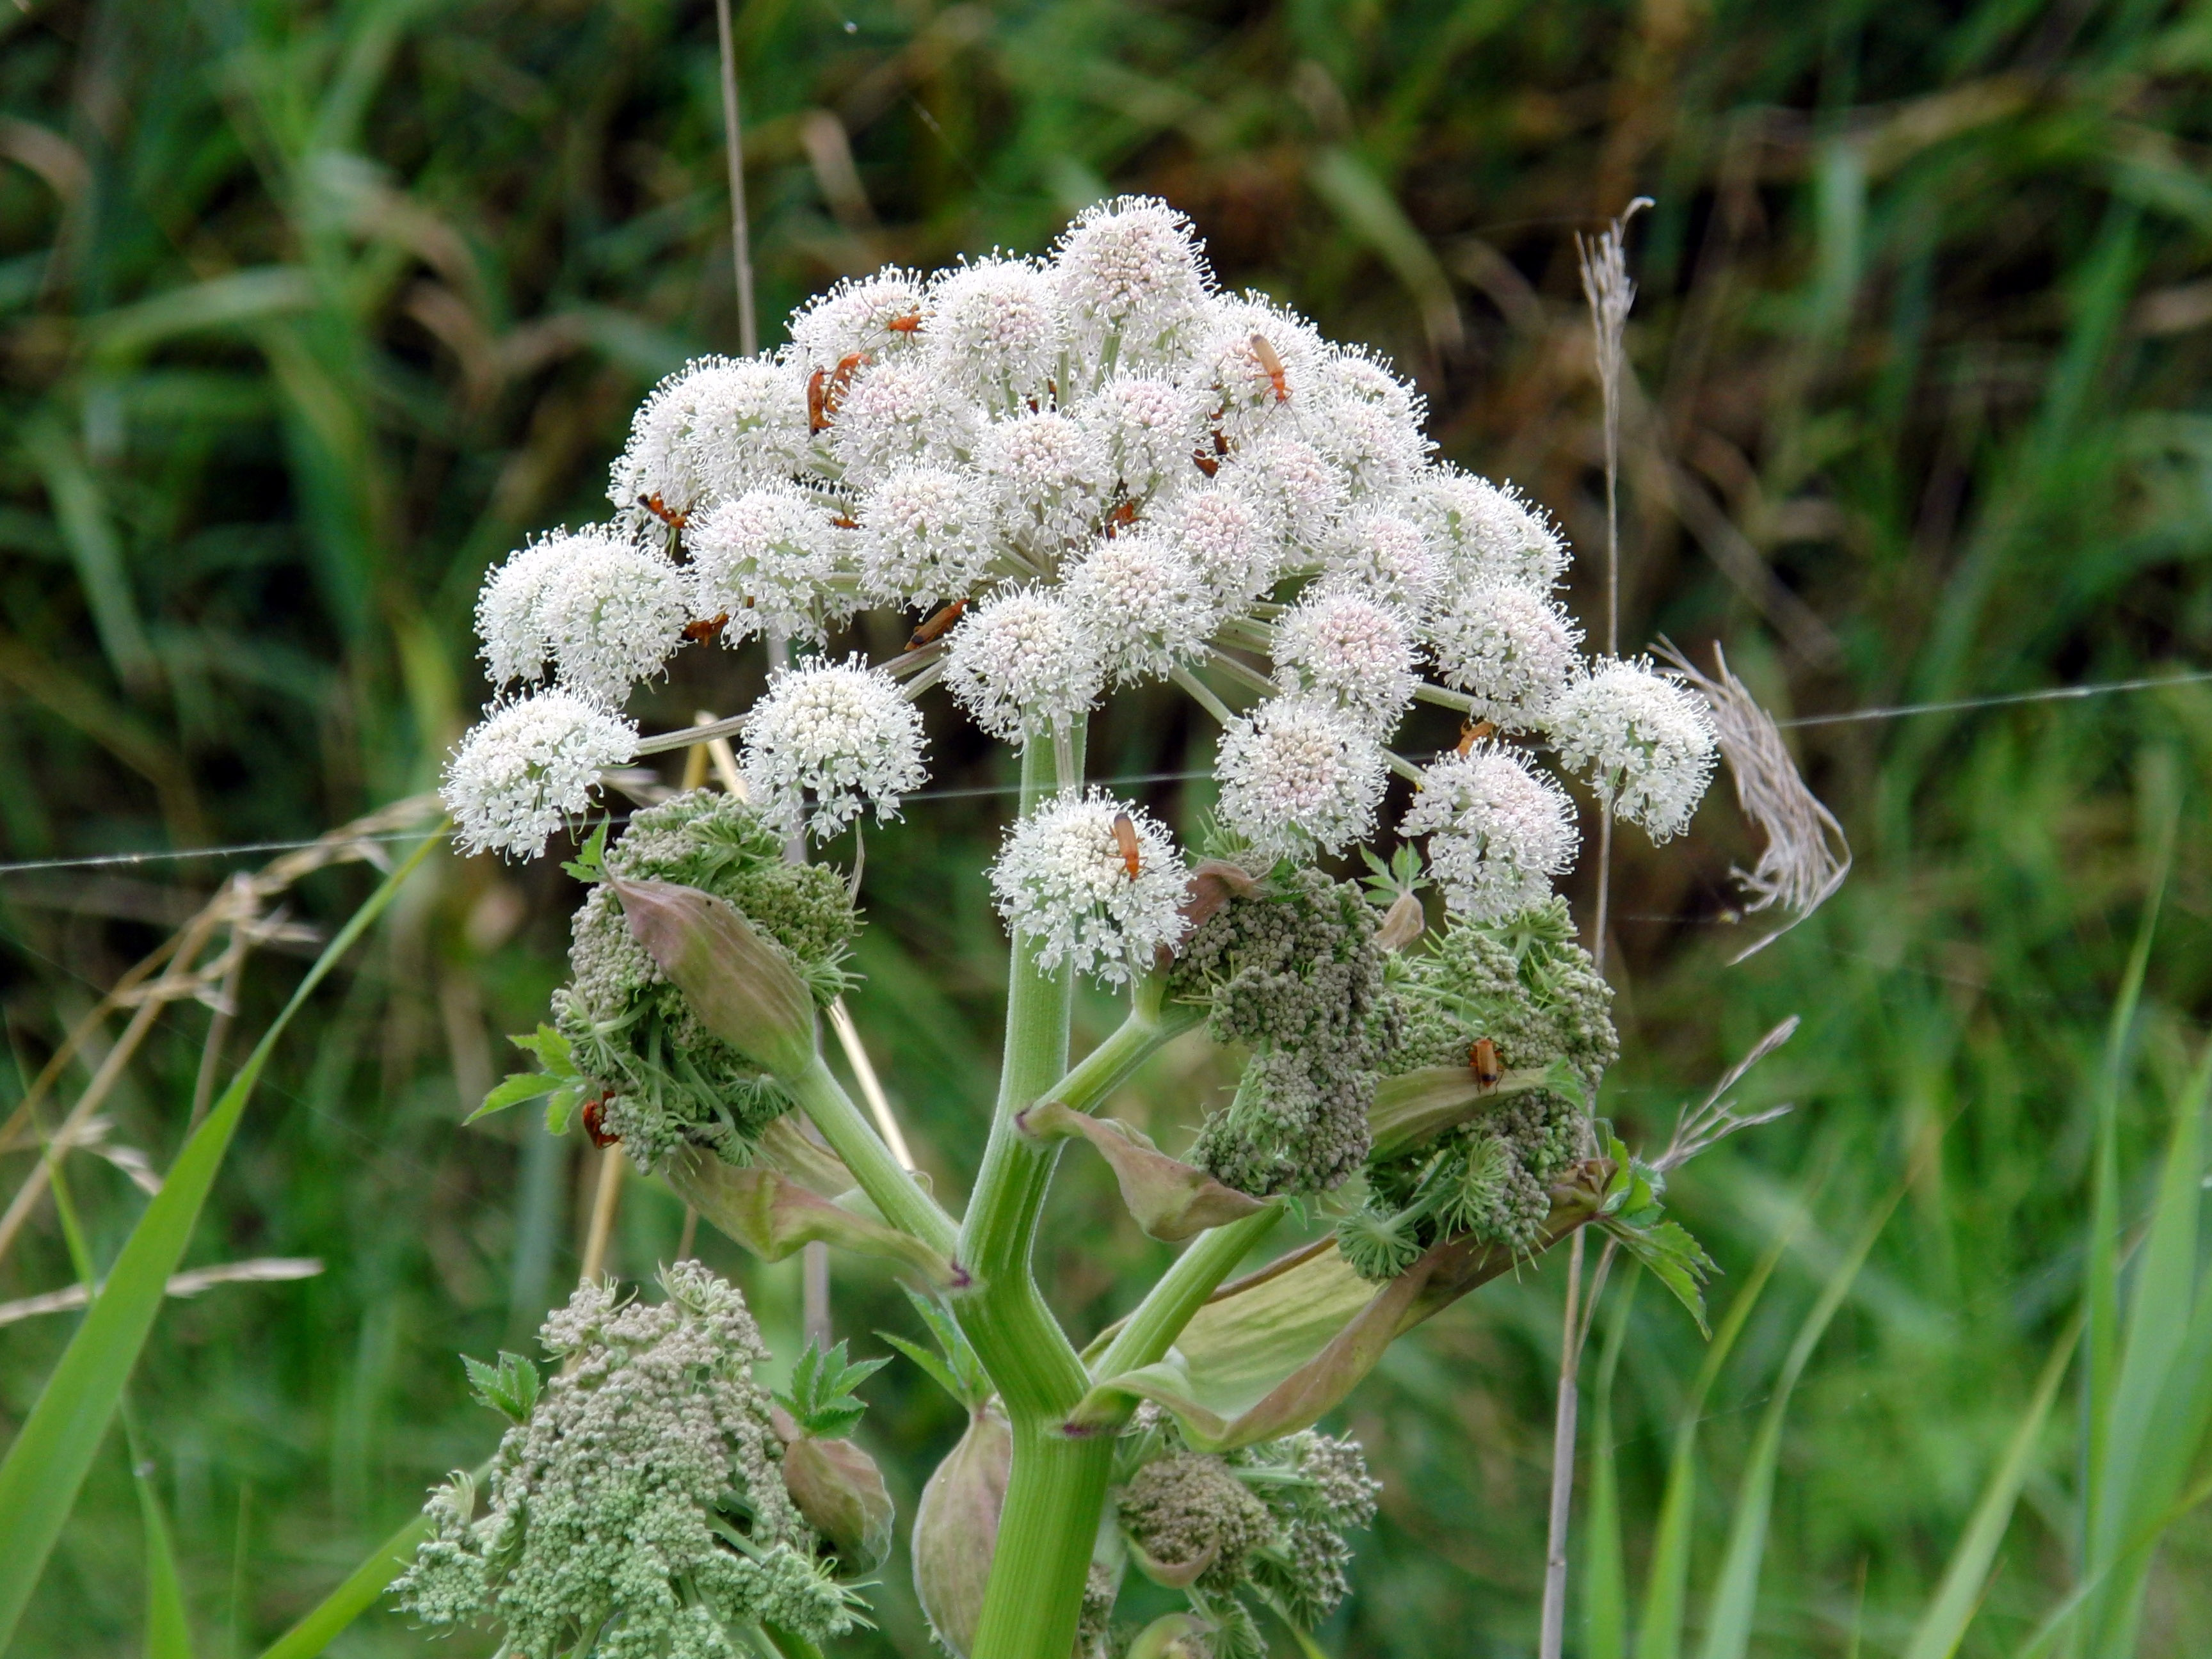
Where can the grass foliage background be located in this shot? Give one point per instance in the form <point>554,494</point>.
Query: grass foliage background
<point>310,312</point>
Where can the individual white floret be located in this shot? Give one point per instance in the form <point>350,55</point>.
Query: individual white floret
<point>1233,536</point>
<point>926,536</point>
<point>1491,535</point>
<point>1064,884</point>
<point>614,613</point>
<point>1387,555</point>
<point>1305,487</point>
<point>1499,832</point>
<point>1049,477</point>
<point>871,316</point>
<point>1511,648</point>
<point>1643,740</point>
<point>1346,650</point>
<point>1142,602</point>
<point>1021,662</point>
<point>717,426</point>
<point>829,741</point>
<point>770,559</point>
<point>528,769</point>
<point>995,330</point>
<point>1147,428</point>
<point>1263,362</point>
<point>897,412</point>
<point>1298,773</point>
<point>1131,281</point>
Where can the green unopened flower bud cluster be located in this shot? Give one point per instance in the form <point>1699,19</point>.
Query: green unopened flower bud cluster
<point>638,1508</point>
<point>1292,970</point>
<point>1525,985</point>
<point>667,1081</point>
<point>1268,1521</point>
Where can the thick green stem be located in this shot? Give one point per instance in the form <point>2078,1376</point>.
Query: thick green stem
<point>1057,1482</point>
<point>853,1138</point>
<point>1148,1029</point>
<point>1147,1334</point>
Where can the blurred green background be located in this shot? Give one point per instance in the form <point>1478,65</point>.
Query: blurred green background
<point>309,311</point>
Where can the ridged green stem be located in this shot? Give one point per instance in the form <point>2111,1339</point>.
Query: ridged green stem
<point>1057,1483</point>
<point>1149,1332</point>
<point>1149,1027</point>
<point>854,1140</point>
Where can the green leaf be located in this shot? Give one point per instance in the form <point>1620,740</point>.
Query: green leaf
<point>1675,1258</point>
<point>959,1371</point>
<point>46,1466</point>
<point>1728,1625</point>
<point>509,1387</point>
<point>329,1618</point>
<point>168,1627</point>
<point>1605,1570</point>
<point>821,1400</point>
<point>518,1087</point>
<point>1965,1580</point>
<point>590,864</point>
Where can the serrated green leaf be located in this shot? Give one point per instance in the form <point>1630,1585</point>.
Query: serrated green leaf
<point>1673,1256</point>
<point>509,1387</point>
<point>937,1370</point>
<point>590,864</point>
<point>514,1090</point>
<point>820,1399</point>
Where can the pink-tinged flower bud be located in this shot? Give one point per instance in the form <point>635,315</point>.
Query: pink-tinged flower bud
<point>839,1490</point>
<point>955,1527</point>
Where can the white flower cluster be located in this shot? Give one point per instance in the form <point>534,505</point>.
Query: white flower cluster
<point>1499,831</point>
<point>1082,472</point>
<point>1093,881</point>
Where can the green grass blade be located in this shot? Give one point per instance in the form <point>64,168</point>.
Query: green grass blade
<point>354,1597</point>
<point>1728,1630</point>
<point>1605,1581</point>
<point>168,1627</point>
<point>2101,1289</point>
<point>1666,1586</point>
<point>2141,1466</point>
<point>1944,1626</point>
<point>45,1467</point>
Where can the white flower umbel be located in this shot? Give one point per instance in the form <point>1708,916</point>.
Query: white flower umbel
<point>1232,536</point>
<point>1064,883</point>
<point>1021,662</point>
<point>1049,477</point>
<point>1380,453</point>
<point>838,735</point>
<point>867,317</point>
<point>1387,555</point>
<point>613,612</point>
<point>1147,428</point>
<point>1296,773</point>
<point>1349,651</point>
<point>511,611</point>
<point>528,768</point>
<point>717,426</point>
<point>925,537</point>
<point>1510,648</point>
<point>1492,535</point>
<point>1643,740</point>
<point>995,330</point>
<point>895,412</point>
<point>1499,832</point>
<point>1138,597</point>
<point>1305,489</point>
<point>1264,363</point>
<point>1131,281</point>
<point>1353,374</point>
<point>769,559</point>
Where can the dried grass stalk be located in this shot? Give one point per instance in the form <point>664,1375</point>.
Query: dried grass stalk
<point>1806,856</point>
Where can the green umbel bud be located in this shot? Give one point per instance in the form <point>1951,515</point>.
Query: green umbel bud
<point>840,1490</point>
<point>955,1528</point>
<point>695,1049</point>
